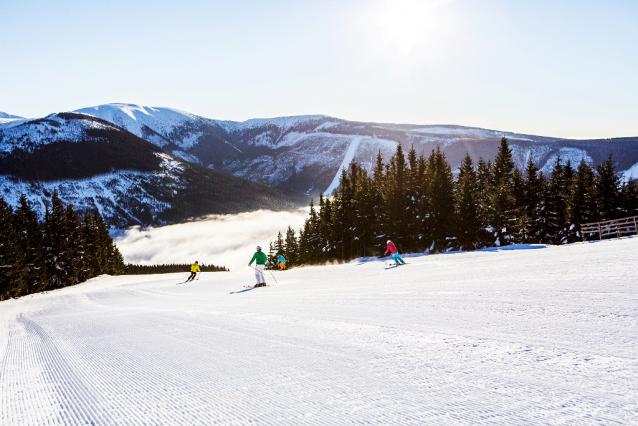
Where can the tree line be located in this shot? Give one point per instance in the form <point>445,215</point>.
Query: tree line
<point>132,269</point>
<point>66,249</point>
<point>418,204</point>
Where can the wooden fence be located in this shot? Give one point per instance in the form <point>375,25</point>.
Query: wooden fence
<point>610,228</point>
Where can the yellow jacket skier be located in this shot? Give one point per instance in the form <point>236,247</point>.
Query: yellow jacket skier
<point>194,270</point>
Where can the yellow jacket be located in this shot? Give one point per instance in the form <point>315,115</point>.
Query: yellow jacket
<point>195,267</point>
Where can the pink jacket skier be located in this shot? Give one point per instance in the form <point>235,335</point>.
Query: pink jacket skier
<point>395,253</point>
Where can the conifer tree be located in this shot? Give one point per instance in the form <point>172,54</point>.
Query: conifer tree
<point>396,196</point>
<point>440,194</point>
<point>31,242</point>
<point>291,248</point>
<point>74,254</point>
<point>485,178</point>
<point>607,184</point>
<point>116,261</point>
<point>556,204</point>
<point>502,217</point>
<point>629,198</point>
<point>503,164</point>
<point>364,214</point>
<point>382,231</point>
<point>534,203</point>
<point>96,246</point>
<point>56,243</point>
<point>280,246</point>
<point>581,204</point>
<point>467,206</point>
<point>13,271</point>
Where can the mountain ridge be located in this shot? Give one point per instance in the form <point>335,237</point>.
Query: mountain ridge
<point>305,153</point>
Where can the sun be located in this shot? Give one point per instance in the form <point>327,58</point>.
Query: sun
<point>406,24</point>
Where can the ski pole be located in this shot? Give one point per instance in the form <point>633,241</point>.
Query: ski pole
<point>273,277</point>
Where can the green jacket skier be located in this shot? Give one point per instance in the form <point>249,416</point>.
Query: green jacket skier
<point>260,260</point>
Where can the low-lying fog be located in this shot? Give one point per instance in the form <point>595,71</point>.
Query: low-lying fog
<point>223,240</point>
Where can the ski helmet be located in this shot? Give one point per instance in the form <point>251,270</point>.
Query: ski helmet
<point>258,247</point>
<point>196,262</point>
<point>388,242</point>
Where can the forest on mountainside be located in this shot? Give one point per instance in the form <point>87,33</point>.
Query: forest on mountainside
<point>418,204</point>
<point>65,250</point>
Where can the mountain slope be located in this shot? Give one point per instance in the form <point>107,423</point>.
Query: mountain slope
<point>305,153</point>
<point>95,164</point>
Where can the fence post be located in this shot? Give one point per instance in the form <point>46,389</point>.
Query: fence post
<point>618,233</point>
<point>635,227</point>
<point>600,232</point>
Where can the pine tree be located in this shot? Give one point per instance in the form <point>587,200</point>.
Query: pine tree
<point>503,164</point>
<point>56,244</point>
<point>440,194</point>
<point>607,184</point>
<point>31,242</point>
<point>485,179</point>
<point>556,204</point>
<point>502,217</point>
<point>582,202</point>
<point>381,232</point>
<point>13,271</point>
<point>116,261</point>
<point>292,247</point>
<point>534,203</point>
<point>396,196</point>
<point>467,206</point>
<point>629,199</point>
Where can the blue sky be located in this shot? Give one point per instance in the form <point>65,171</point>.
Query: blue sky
<point>555,68</point>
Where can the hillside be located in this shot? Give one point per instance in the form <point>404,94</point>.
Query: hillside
<point>305,153</point>
<point>94,164</point>
<point>543,335</point>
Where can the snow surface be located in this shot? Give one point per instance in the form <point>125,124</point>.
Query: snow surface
<point>574,155</point>
<point>544,336</point>
<point>631,173</point>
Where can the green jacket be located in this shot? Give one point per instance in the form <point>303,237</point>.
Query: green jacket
<point>259,258</point>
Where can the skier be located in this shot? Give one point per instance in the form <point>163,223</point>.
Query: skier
<point>194,270</point>
<point>282,262</point>
<point>260,260</point>
<point>395,253</point>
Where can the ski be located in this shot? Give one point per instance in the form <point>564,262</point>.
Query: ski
<point>252,286</point>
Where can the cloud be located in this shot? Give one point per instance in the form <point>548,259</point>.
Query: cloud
<point>224,240</point>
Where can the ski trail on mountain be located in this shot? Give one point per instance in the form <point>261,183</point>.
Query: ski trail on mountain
<point>352,149</point>
<point>546,336</point>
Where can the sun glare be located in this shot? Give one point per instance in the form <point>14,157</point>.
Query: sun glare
<point>406,24</point>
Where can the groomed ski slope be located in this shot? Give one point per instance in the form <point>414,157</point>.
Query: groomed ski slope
<point>527,336</point>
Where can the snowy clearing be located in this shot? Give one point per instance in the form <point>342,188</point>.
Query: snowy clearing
<point>537,336</point>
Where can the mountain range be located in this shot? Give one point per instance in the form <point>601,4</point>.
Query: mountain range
<point>96,165</point>
<point>288,155</point>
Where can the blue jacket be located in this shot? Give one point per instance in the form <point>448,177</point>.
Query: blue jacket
<point>281,259</point>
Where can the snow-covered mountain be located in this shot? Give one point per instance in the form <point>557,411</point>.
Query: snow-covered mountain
<point>95,164</point>
<point>306,153</point>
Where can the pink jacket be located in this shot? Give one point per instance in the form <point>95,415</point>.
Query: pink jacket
<point>391,248</point>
